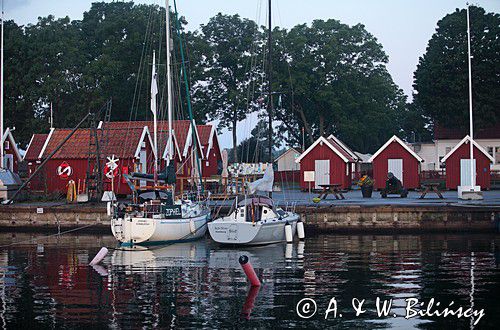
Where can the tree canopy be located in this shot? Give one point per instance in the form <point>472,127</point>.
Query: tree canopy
<point>441,78</point>
<point>329,77</point>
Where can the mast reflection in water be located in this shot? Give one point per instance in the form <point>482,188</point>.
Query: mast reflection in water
<point>48,284</point>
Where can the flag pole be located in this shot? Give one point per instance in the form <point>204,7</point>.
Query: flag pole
<point>471,126</point>
<point>1,96</point>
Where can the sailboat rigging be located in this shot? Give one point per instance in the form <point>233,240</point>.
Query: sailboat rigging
<point>158,217</point>
<point>255,219</point>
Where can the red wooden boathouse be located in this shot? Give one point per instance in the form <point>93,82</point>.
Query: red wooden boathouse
<point>457,163</point>
<point>133,146</point>
<point>212,156</point>
<point>12,157</point>
<point>326,162</point>
<point>396,157</point>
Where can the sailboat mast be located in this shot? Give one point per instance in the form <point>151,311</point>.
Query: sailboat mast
<point>1,96</point>
<point>154,91</point>
<point>169,84</point>
<point>269,78</point>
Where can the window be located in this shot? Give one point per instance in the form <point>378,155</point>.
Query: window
<point>497,155</point>
<point>448,149</point>
<point>7,145</point>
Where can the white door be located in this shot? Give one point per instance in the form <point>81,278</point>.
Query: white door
<point>396,167</point>
<point>143,160</point>
<point>321,172</point>
<point>465,171</point>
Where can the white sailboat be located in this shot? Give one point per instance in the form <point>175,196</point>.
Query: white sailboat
<point>160,219</point>
<point>254,219</point>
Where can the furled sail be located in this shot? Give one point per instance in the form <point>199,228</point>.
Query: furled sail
<point>265,183</point>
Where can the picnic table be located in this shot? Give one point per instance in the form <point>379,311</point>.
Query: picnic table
<point>431,187</point>
<point>333,189</point>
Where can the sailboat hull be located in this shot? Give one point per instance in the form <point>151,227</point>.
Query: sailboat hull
<point>147,231</point>
<point>248,233</point>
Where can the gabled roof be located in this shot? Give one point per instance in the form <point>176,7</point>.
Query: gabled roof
<point>286,152</point>
<point>332,145</point>
<point>345,147</point>
<point>208,135</point>
<point>467,140</point>
<point>394,138</point>
<point>124,143</point>
<point>35,146</point>
<point>13,145</point>
<point>182,133</point>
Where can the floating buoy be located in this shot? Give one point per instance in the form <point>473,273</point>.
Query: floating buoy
<point>288,251</point>
<point>192,226</point>
<point>300,230</point>
<point>288,233</point>
<point>249,271</point>
<point>99,256</point>
<point>300,250</point>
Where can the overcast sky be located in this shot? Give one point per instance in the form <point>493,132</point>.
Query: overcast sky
<point>403,27</point>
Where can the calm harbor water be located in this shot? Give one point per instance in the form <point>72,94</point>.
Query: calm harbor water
<point>46,283</point>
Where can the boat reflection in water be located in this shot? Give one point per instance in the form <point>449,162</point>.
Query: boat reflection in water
<point>203,253</point>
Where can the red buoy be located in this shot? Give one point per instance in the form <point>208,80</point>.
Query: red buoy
<point>249,271</point>
<point>249,304</point>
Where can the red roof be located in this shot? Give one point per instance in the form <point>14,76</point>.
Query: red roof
<point>341,150</point>
<point>204,132</point>
<point>181,130</point>
<point>35,146</point>
<point>445,133</point>
<point>121,142</point>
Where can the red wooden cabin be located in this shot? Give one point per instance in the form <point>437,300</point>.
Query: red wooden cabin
<point>12,157</point>
<point>325,162</point>
<point>396,157</point>
<point>457,163</point>
<point>182,135</point>
<point>133,146</point>
<point>212,156</point>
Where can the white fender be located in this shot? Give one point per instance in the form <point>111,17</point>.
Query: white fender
<point>99,256</point>
<point>192,226</point>
<point>288,233</point>
<point>300,230</point>
<point>288,251</point>
<point>300,250</point>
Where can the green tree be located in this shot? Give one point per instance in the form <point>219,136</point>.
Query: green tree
<point>441,78</point>
<point>333,79</point>
<point>230,44</point>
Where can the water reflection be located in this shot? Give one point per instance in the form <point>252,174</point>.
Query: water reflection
<point>45,282</point>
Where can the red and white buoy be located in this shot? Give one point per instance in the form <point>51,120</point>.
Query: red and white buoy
<point>249,271</point>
